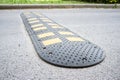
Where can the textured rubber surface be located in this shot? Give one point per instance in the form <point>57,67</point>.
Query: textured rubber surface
<point>58,45</point>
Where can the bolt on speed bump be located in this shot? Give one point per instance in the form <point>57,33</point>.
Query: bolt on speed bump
<point>58,45</point>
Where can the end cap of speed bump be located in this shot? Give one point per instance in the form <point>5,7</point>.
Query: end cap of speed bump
<point>60,46</point>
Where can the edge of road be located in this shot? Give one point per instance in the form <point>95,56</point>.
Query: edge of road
<point>51,6</point>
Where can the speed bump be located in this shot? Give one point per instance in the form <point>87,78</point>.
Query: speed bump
<point>58,45</point>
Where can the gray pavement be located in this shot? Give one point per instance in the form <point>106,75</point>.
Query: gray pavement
<point>19,60</point>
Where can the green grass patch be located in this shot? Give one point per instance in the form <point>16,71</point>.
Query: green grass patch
<point>39,2</point>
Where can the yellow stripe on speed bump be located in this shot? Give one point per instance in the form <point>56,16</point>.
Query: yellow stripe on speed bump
<point>45,35</point>
<point>37,25</point>
<point>43,18</point>
<point>37,13</point>
<point>26,13</point>
<point>28,16</point>
<point>65,33</point>
<point>39,28</point>
<point>74,39</point>
<point>47,20</point>
<point>33,21</point>
<point>52,24</point>
<point>56,26</point>
<point>51,41</point>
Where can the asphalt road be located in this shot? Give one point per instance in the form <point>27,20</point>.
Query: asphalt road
<point>19,60</point>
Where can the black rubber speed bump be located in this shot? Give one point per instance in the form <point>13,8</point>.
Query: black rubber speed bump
<point>58,45</point>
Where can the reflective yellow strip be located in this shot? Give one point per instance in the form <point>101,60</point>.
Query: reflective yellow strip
<point>44,18</point>
<point>74,39</point>
<point>52,24</point>
<point>39,28</point>
<point>51,41</point>
<point>56,26</point>
<point>33,21</point>
<point>65,33</point>
<point>28,16</point>
<point>37,14</point>
<point>45,35</point>
<point>26,13</point>
<point>47,20</point>
<point>37,25</point>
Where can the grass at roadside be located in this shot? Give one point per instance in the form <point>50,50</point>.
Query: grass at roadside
<point>39,2</point>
